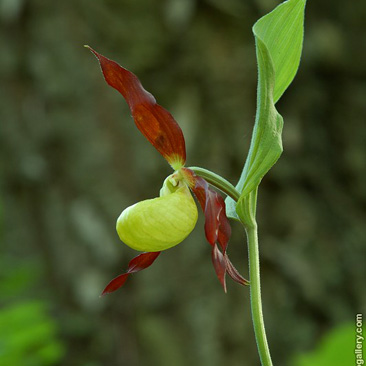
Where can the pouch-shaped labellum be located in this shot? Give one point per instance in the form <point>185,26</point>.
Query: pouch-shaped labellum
<point>157,224</point>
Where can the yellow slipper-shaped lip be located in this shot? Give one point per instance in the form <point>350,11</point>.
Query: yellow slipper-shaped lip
<point>158,224</point>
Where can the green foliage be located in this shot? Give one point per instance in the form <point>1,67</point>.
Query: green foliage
<point>278,37</point>
<point>335,349</point>
<point>28,336</point>
<point>282,33</point>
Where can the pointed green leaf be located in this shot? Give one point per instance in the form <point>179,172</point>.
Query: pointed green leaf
<point>278,37</point>
<point>282,31</point>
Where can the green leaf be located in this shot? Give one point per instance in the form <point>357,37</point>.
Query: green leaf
<point>278,37</point>
<point>282,31</point>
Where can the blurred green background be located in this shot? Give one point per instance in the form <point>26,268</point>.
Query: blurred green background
<point>72,159</point>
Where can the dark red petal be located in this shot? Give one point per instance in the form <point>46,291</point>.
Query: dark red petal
<point>219,265</point>
<point>137,264</point>
<point>142,261</point>
<point>212,215</point>
<point>217,226</point>
<point>115,284</point>
<point>197,184</point>
<point>233,272</point>
<point>224,233</point>
<point>155,123</point>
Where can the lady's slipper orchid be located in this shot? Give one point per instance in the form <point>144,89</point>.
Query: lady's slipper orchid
<point>157,224</point>
<point>160,223</point>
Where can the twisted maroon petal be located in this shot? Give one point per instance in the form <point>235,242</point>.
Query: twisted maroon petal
<point>224,232</point>
<point>219,264</point>
<point>233,272</point>
<point>217,226</point>
<point>137,264</point>
<point>155,123</point>
<point>210,206</point>
<point>209,202</point>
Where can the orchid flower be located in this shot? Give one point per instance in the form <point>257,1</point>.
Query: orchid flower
<point>154,225</point>
<point>157,224</point>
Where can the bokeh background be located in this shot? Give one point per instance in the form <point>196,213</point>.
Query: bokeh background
<point>72,159</point>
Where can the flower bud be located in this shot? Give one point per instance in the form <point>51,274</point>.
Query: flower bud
<point>157,224</point>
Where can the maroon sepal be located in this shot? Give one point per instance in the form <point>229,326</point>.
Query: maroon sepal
<point>137,264</point>
<point>217,226</point>
<point>155,123</point>
<point>233,272</point>
<point>219,265</point>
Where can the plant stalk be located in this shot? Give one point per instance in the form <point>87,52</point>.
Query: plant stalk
<point>217,181</point>
<point>255,296</point>
<point>253,249</point>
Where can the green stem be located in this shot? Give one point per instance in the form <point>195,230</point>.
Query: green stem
<point>255,296</point>
<point>248,219</point>
<point>217,181</point>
